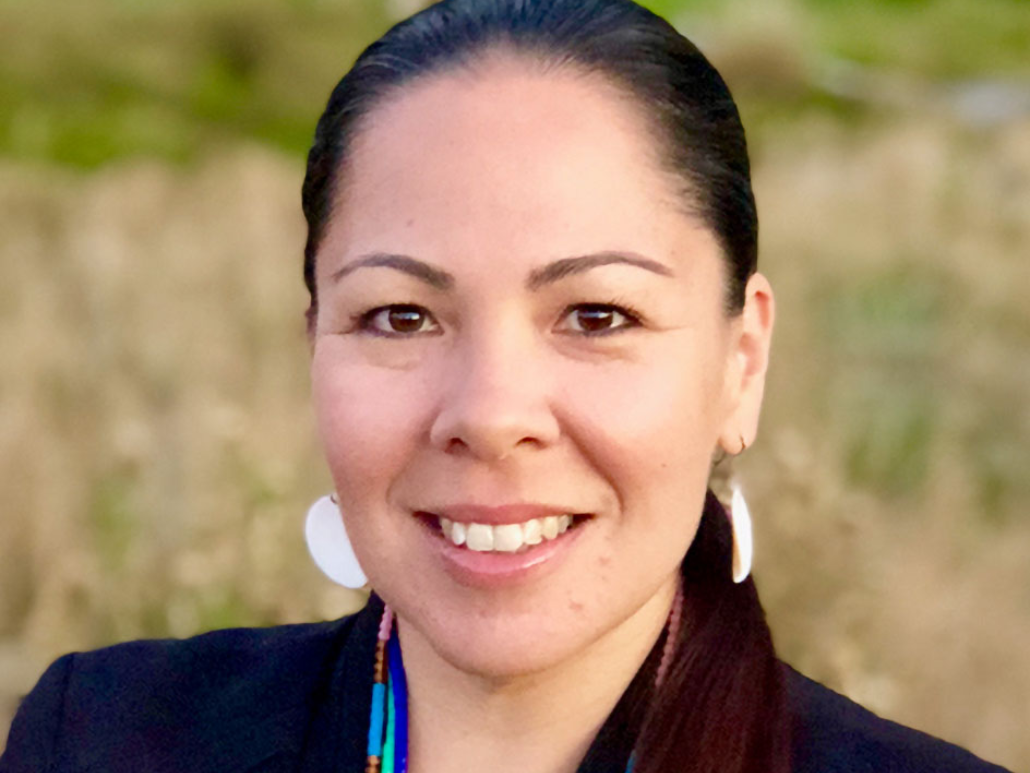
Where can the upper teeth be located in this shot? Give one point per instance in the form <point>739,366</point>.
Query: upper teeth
<point>504,538</point>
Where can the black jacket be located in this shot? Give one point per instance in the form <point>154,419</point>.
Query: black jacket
<point>297,698</point>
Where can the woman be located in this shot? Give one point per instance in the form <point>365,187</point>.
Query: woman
<point>535,318</point>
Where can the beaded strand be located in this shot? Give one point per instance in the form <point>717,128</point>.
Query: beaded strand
<point>399,693</point>
<point>672,632</point>
<point>380,701</point>
<point>671,636</point>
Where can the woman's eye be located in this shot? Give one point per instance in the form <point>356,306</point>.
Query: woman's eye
<point>403,320</point>
<point>596,319</point>
<point>396,321</point>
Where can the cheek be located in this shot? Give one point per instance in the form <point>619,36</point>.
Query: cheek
<point>367,418</point>
<point>655,412</point>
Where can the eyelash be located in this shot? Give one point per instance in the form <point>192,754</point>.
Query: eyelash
<point>632,316</point>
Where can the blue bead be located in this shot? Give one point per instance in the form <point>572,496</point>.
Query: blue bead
<point>375,725</point>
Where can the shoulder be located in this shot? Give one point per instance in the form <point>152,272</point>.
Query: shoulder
<point>145,704</point>
<point>214,672</point>
<point>246,661</point>
<point>833,734</point>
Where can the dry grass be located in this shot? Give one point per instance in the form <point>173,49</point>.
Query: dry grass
<point>154,428</point>
<point>159,454</point>
<point>890,484</point>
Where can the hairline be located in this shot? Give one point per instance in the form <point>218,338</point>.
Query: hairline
<point>475,64</point>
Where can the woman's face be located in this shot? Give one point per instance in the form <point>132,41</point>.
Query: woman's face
<point>514,309</point>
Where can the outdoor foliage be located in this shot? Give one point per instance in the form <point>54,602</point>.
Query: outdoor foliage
<point>157,446</point>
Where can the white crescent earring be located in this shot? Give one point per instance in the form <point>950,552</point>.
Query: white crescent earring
<point>740,521</point>
<point>330,546</point>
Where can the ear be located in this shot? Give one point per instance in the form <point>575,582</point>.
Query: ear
<point>748,361</point>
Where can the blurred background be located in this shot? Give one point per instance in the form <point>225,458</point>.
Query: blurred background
<point>157,451</point>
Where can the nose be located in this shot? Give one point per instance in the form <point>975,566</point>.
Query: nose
<point>497,399</point>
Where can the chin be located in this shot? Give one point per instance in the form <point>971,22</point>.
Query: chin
<point>518,628</point>
<point>494,639</point>
<point>501,654</point>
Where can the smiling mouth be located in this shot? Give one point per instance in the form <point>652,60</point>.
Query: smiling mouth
<point>503,538</point>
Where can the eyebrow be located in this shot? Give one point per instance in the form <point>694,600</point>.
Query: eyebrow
<point>435,277</point>
<point>539,277</point>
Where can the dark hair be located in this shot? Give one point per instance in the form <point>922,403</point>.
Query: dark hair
<point>722,705</point>
<point>701,137</point>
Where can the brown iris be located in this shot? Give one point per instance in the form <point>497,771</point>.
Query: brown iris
<point>595,318</point>
<point>406,319</point>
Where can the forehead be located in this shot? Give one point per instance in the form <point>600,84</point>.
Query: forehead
<point>507,157</point>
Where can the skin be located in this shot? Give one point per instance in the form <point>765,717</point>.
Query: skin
<point>497,394</point>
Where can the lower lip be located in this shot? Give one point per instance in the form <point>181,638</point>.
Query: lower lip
<point>489,569</point>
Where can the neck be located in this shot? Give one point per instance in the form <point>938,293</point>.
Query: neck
<point>542,722</point>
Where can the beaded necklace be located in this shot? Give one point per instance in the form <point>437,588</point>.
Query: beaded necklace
<point>387,749</point>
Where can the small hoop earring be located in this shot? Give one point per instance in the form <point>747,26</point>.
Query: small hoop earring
<point>330,546</point>
<point>743,546</point>
<point>724,454</point>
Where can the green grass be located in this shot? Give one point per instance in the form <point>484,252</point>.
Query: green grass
<point>85,83</point>
<point>882,334</point>
<point>936,38</point>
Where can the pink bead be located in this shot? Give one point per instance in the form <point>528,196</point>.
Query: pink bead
<point>386,624</point>
<point>675,615</point>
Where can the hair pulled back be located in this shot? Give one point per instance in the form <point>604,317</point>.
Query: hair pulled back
<point>722,704</point>
<point>699,134</point>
